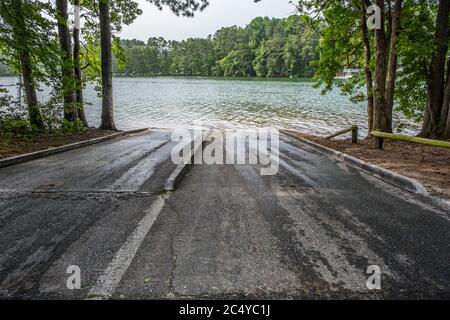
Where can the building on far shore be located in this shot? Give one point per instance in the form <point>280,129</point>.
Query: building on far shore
<point>347,73</point>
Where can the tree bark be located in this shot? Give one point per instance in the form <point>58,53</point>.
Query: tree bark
<point>106,49</point>
<point>367,71</point>
<point>68,77</point>
<point>447,126</point>
<point>445,114</point>
<point>436,81</point>
<point>30,91</point>
<point>446,103</point>
<point>77,71</point>
<point>426,122</point>
<point>34,113</point>
<point>393,60</point>
<point>381,117</point>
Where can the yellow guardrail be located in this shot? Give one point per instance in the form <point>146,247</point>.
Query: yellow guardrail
<point>380,136</point>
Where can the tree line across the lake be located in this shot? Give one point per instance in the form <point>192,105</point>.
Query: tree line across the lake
<point>403,59</point>
<point>264,48</point>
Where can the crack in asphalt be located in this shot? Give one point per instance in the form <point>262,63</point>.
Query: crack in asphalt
<point>171,288</point>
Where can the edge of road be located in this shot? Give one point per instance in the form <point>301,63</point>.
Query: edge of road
<point>386,175</point>
<point>391,177</point>
<point>47,152</point>
<point>180,172</point>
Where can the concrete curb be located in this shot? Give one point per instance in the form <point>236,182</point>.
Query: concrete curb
<point>180,172</point>
<point>374,170</point>
<point>44,153</point>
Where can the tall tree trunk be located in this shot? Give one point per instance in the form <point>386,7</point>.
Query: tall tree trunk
<point>447,126</point>
<point>30,91</point>
<point>77,65</point>
<point>68,77</point>
<point>381,118</point>
<point>393,60</point>
<point>426,122</point>
<point>436,81</point>
<point>367,71</point>
<point>34,113</point>
<point>107,86</point>
<point>445,114</point>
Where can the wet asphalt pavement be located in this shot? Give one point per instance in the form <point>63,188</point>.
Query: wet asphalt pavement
<point>310,231</point>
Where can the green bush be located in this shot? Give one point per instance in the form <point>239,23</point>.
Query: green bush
<point>17,126</point>
<point>72,127</point>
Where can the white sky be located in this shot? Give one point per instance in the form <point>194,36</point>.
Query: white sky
<point>220,13</point>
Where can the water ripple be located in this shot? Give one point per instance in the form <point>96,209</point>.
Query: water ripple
<point>179,102</point>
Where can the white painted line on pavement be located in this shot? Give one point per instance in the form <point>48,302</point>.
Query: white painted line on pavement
<point>107,284</point>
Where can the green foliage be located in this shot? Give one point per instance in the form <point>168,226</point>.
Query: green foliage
<point>266,48</point>
<point>415,50</point>
<point>238,63</point>
<point>186,8</point>
<point>30,44</point>
<point>21,126</point>
<point>338,22</point>
<point>10,106</point>
<point>340,47</point>
<point>5,70</point>
<point>122,12</point>
<point>72,127</point>
<point>16,126</point>
<point>34,32</point>
<point>5,99</point>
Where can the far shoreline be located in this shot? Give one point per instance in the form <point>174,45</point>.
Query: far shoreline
<point>122,76</point>
<point>276,79</point>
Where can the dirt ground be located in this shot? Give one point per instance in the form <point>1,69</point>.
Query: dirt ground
<point>428,165</point>
<point>11,146</point>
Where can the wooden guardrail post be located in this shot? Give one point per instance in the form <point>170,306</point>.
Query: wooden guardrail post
<point>379,143</point>
<point>355,130</point>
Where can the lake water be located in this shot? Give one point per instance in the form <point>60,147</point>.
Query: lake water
<point>181,102</point>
